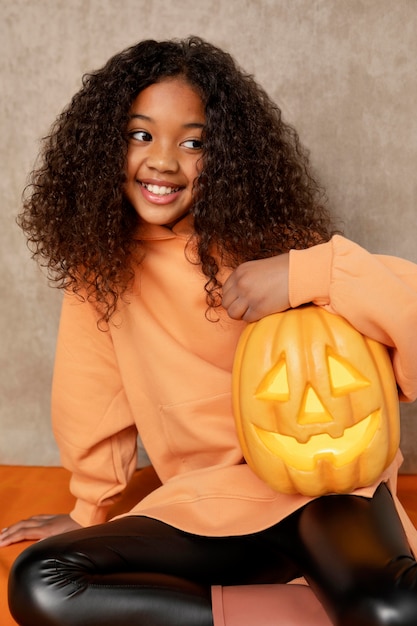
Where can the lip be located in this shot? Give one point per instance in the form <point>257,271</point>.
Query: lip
<point>156,198</point>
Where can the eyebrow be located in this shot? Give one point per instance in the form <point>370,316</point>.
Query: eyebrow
<point>146,118</point>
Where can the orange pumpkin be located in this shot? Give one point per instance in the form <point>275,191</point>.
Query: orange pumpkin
<point>315,403</point>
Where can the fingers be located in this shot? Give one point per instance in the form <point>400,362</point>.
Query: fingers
<point>238,303</point>
<point>257,288</point>
<point>234,299</point>
<point>230,293</point>
<point>3,532</point>
<point>31,529</point>
<point>37,527</point>
<point>17,533</point>
<point>237,309</point>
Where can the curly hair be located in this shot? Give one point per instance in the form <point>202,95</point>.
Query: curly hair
<point>255,196</point>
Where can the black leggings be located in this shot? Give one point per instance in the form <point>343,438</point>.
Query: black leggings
<point>139,571</point>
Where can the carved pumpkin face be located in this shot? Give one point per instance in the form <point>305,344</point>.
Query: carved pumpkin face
<point>315,402</point>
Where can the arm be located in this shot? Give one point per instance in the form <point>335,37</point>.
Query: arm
<point>91,417</point>
<point>376,294</point>
<point>92,425</point>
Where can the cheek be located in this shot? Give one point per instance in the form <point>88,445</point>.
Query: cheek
<point>129,188</point>
<point>193,169</point>
<point>131,165</point>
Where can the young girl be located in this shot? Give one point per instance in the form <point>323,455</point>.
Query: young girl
<point>174,205</point>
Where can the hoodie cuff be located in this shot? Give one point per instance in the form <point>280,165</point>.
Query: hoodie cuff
<point>310,274</point>
<point>88,514</point>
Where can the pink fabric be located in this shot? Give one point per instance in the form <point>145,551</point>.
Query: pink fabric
<point>267,605</point>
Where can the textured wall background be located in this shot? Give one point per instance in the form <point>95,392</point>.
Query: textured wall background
<point>343,71</point>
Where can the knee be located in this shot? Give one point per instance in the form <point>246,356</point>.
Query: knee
<point>34,584</point>
<point>24,582</point>
<point>395,607</point>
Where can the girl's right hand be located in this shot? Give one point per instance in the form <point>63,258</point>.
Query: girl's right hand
<point>257,288</point>
<point>36,528</point>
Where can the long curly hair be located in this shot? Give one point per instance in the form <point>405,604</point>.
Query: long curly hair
<point>255,196</point>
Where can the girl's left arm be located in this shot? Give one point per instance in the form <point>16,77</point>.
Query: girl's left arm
<point>376,294</point>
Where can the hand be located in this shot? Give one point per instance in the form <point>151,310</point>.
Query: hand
<point>257,288</point>
<point>37,527</point>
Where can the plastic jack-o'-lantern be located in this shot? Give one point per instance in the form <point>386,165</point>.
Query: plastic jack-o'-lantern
<point>315,403</point>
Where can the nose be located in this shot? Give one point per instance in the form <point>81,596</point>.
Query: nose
<point>162,157</point>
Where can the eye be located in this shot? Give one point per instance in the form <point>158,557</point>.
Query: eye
<point>193,144</point>
<point>140,135</point>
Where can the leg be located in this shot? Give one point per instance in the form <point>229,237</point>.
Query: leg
<point>134,570</point>
<point>358,560</point>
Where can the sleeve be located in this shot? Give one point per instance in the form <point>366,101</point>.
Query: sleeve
<point>91,418</point>
<point>376,294</point>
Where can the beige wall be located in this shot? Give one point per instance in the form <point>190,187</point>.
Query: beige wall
<point>343,71</point>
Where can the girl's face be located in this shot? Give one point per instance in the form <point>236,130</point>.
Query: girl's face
<point>164,151</point>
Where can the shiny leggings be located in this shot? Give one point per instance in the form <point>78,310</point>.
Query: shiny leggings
<point>139,571</point>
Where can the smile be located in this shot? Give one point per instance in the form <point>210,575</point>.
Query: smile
<point>304,456</point>
<point>160,190</point>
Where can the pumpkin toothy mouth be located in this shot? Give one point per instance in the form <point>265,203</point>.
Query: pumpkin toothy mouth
<point>340,451</point>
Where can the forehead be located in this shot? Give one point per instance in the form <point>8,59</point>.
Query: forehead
<point>173,98</point>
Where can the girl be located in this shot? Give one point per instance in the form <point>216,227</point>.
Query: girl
<point>173,205</point>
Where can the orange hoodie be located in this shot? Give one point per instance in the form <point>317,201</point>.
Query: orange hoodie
<point>164,370</point>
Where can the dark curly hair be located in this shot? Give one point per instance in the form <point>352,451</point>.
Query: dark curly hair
<point>255,196</point>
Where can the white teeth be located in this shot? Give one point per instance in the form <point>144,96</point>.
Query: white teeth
<point>159,190</point>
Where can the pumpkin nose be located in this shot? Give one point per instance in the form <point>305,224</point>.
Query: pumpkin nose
<point>312,409</point>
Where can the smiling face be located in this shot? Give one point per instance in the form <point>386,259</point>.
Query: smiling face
<point>164,151</point>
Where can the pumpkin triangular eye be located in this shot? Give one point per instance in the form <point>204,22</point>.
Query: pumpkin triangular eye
<point>274,385</point>
<point>344,378</point>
